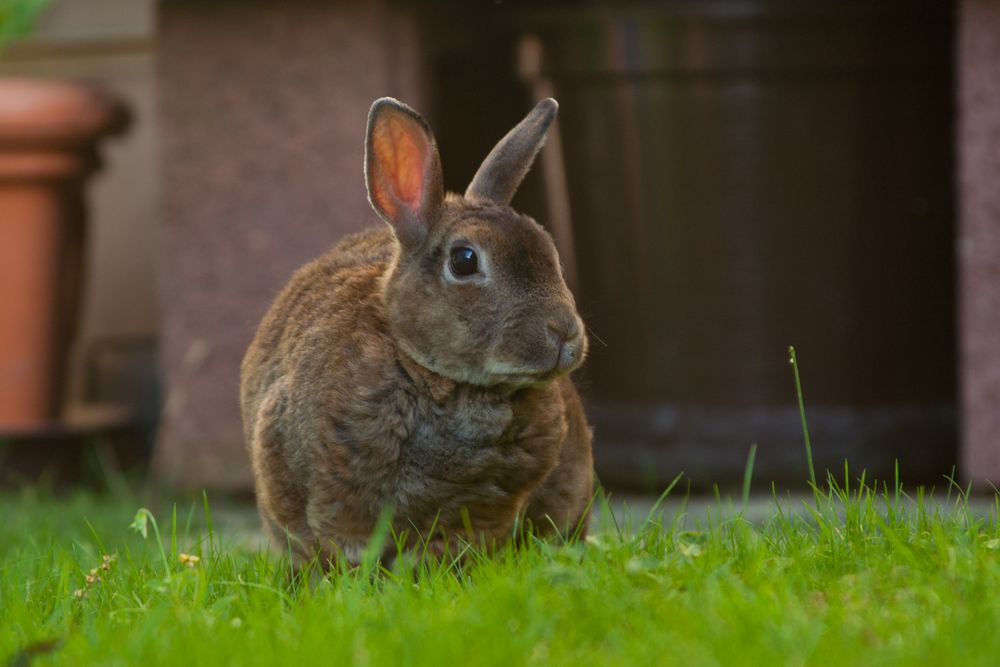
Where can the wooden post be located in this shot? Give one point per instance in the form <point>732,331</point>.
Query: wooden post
<point>979,237</point>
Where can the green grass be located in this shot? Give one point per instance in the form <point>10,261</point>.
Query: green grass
<point>858,573</point>
<point>858,577</point>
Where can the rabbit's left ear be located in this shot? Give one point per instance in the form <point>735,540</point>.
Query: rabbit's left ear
<point>402,170</point>
<point>507,164</point>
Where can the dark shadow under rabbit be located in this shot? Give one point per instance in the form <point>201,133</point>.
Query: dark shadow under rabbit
<point>423,366</point>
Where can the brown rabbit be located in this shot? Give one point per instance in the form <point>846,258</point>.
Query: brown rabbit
<point>423,367</point>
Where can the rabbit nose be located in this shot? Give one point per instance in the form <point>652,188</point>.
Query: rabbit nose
<point>565,328</point>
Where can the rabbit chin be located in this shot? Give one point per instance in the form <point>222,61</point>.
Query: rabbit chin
<point>503,373</point>
<point>496,372</point>
<point>493,373</point>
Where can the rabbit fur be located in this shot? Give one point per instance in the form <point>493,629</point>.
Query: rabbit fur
<point>380,379</point>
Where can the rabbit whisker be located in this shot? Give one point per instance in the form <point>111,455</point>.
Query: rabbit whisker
<point>594,334</point>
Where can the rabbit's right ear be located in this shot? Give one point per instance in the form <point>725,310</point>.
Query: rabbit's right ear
<point>402,170</point>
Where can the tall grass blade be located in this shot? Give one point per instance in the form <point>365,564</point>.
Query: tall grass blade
<point>375,548</point>
<point>208,521</point>
<point>748,475</point>
<point>650,516</point>
<point>802,415</point>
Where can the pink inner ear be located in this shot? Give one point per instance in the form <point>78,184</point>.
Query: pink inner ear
<point>400,150</point>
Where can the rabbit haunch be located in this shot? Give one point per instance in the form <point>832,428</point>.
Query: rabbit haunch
<point>383,377</point>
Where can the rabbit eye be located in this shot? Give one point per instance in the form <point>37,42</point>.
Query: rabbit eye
<point>464,261</point>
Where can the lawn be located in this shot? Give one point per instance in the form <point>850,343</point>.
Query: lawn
<point>850,576</point>
<point>856,573</point>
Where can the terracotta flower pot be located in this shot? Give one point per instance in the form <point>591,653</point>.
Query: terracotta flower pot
<point>48,147</point>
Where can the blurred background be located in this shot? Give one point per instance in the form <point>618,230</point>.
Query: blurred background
<point>726,178</point>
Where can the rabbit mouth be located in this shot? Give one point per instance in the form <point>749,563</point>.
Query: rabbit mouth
<point>567,358</point>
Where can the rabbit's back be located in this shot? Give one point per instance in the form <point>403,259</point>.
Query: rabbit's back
<point>328,306</point>
<point>317,304</point>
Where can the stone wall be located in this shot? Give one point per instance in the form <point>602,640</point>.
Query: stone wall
<point>263,109</point>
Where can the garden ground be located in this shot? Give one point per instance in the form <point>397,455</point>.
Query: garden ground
<point>855,575</point>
